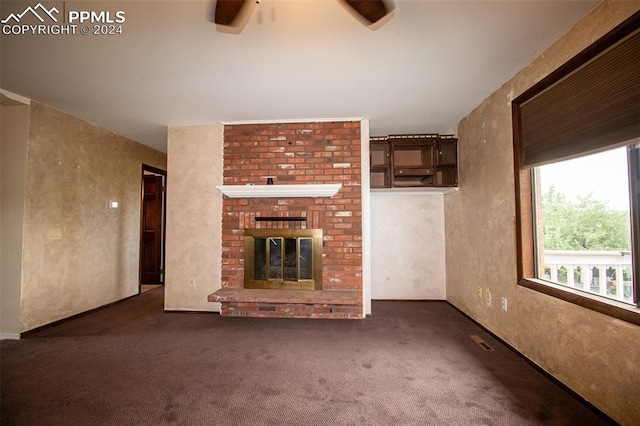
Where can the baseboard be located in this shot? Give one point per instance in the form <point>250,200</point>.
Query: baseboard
<point>80,314</point>
<point>9,336</point>
<point>189,311</point>
<point>409,300</point>
<point>544,372</point>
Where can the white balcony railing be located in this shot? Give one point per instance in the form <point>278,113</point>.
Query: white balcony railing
<point>606,273</point>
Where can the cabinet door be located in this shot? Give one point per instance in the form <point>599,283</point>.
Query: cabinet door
<point>414,161</point>
<point>447,152</point>
<point>447,166</point>
<point>379,154</point>
<point>379,165</point>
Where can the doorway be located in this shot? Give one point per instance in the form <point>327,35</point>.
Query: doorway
<point>152,226</point>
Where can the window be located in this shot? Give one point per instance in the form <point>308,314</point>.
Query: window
<point>573,131</point>
<point>583,224</point>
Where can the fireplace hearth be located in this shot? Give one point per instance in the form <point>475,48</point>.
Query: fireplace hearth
<point>285,259</point>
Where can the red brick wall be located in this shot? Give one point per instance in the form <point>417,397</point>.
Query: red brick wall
<point>297,153</point>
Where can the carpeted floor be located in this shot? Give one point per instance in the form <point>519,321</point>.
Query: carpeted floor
<point>411,363</point>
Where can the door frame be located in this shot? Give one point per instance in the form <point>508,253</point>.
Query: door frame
<point>146,169</point>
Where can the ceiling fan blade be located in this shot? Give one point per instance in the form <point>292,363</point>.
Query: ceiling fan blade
<point>228,10</point>
<point>371,10</point>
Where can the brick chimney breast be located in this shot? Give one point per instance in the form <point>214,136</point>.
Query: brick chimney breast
<point>296,153</point>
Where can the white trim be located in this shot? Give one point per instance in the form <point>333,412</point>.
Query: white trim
<point>15,97</point>
<point>280,191</point>
<point>9,336</point>
<point>415,191</point>
<point>366,219</point>
<point>291,120</point>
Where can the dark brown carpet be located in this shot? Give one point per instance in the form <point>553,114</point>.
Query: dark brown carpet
<point>411,363</point>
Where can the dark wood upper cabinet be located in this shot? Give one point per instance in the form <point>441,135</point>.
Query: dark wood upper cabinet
<point>420,160</point>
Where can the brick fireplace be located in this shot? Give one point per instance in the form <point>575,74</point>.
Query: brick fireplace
<point>306,153</point>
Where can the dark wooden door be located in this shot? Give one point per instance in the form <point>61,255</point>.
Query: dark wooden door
<point>151,247</point>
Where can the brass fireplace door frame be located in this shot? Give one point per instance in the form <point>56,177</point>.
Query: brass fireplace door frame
<point>282,284</point>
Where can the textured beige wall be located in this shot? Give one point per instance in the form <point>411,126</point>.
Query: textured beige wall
<point>595,355</point>
<point>407,250</point>
<point>194,217</point>
<point>78,253</point>
<point>14,135</point>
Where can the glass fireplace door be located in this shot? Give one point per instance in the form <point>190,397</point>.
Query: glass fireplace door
<point>285,259</point>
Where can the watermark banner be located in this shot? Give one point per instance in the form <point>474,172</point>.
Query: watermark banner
<point>61,18</point>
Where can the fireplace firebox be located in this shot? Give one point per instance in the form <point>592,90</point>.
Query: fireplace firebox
<point>286,259</point>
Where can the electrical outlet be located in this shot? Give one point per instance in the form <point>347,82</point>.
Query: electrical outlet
<point>192,283</point>
<point>480,292</point>
<point>504,304</point>
<point>487,298</point>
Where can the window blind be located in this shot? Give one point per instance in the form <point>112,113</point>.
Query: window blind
<point>591,103</point>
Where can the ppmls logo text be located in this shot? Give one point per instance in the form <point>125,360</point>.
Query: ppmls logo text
<point>58,19</point>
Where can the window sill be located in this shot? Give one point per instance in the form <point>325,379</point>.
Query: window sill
<point>609,307</point>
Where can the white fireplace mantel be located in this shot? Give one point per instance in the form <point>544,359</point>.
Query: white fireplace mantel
<point>280,191</point>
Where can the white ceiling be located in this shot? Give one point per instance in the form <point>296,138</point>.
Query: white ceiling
<point>422,71</point>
